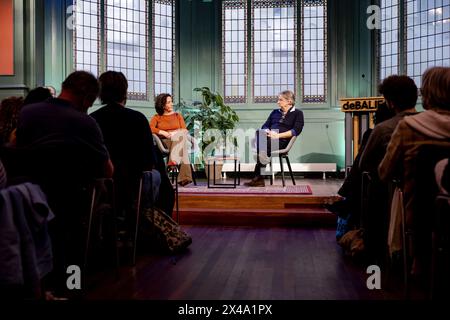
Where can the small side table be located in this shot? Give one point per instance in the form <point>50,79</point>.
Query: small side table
<point>212,183</point>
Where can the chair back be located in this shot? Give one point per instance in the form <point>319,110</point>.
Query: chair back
<point>424,194</point>
<point>158,142</point>
<point>426,188</point>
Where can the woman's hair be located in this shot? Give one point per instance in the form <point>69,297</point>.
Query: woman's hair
<point>289,96</point>
<point>36,95</point>
<point>436,88</point>
<point>160,102</point>
<point>113,87</point>
<point>9,113</point>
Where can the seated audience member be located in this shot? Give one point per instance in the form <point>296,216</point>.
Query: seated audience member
<point>127,137</point>
<point>67,143</point>
<point>170,126</point>
<point>279,128</point>
<point>9,113</point>
<point>350,206</point>
<point>36,95</point>
<point>430,128</point>
<point>400,93</point>
<point>62,149</point>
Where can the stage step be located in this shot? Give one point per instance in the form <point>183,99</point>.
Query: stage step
<point>254,210</point>
<point>257,217</point>
<point>242,201</point>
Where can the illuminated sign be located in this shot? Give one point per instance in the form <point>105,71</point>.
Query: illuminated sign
<point>369,104</point>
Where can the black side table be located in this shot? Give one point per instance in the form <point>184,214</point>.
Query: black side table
<point>212,183</point>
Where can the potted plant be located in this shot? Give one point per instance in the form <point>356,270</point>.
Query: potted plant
<point>210,113</point>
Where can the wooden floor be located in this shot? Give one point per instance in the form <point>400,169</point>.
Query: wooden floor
<point>241,209</point>
<point>239,263</point>
<point>269,261</point>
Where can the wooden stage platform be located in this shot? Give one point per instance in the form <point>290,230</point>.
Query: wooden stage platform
<point>239,207</point>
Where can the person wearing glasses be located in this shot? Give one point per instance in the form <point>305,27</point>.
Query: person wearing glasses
<point>276,132</point>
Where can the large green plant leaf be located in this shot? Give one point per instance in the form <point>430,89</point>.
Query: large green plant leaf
<point>211,112</point>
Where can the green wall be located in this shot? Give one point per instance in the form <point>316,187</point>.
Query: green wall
<point>43,56</point>
<point>350,56</point>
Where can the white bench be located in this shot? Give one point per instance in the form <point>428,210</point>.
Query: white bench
<point>296,167</point>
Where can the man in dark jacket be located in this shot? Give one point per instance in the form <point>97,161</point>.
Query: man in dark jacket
<point>129,140</point>
<point>61,148</point>
<point>280,127</point>
<point>400,93</point>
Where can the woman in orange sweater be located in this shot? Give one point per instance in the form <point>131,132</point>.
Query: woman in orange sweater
<point>171,128</point>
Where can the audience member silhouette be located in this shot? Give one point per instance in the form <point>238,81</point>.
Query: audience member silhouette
<point>400,93</point>
<point>36,95</point>
<point>61,148</point>
<point>430,128</point>
<point>350,206</point>
<point>9,114</point>
<point>129,140</point>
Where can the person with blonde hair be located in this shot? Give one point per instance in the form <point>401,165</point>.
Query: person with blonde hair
<point>279,128</point>
<point>428,128</point>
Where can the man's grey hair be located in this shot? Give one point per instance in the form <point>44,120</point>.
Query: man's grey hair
<point>289,96</point>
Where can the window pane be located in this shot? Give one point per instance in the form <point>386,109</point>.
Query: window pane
<point>164,46</point>
<point>86,35</point>
<point>428,36</point>
<point>274,45</point>
<point>389,41</point>
<point>234,28</point>
<point>126,44</point>
<point>314,51</point>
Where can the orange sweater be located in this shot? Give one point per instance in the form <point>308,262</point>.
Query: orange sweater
<point>167,122</point>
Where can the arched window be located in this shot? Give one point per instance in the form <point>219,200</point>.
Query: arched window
<point>115,35</point>
<point>389,38</point>
<point>423,42</point>
<point>163,45</point>
<point>261,39</point>
<point>314,51</point>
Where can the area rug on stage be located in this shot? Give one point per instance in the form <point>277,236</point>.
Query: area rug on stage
<point>299,189</point>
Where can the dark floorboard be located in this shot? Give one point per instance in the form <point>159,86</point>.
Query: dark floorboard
<point>241,264</point>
